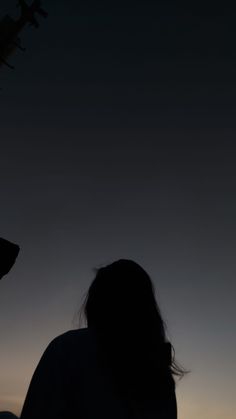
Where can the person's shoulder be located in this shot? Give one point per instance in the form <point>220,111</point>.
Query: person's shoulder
<point>71,338</point>
<point>71,348</point>
<point>66,346</point>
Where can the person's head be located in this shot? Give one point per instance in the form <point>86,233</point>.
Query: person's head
<point>120,306</point>
<point>122,298</point>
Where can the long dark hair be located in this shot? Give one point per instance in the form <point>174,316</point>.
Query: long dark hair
<point>121,308</point>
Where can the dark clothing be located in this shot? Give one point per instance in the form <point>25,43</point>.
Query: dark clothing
<point>69,383</point>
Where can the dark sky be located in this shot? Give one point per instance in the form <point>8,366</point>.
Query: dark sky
<point>118,140</point>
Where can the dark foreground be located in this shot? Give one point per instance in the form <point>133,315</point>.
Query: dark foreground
<point>7,415</point>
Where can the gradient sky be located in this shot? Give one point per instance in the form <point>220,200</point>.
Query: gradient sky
<point>118,141</point>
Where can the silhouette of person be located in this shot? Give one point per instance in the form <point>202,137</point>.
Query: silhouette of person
<point>8,254</point>
<point>119,366</point>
